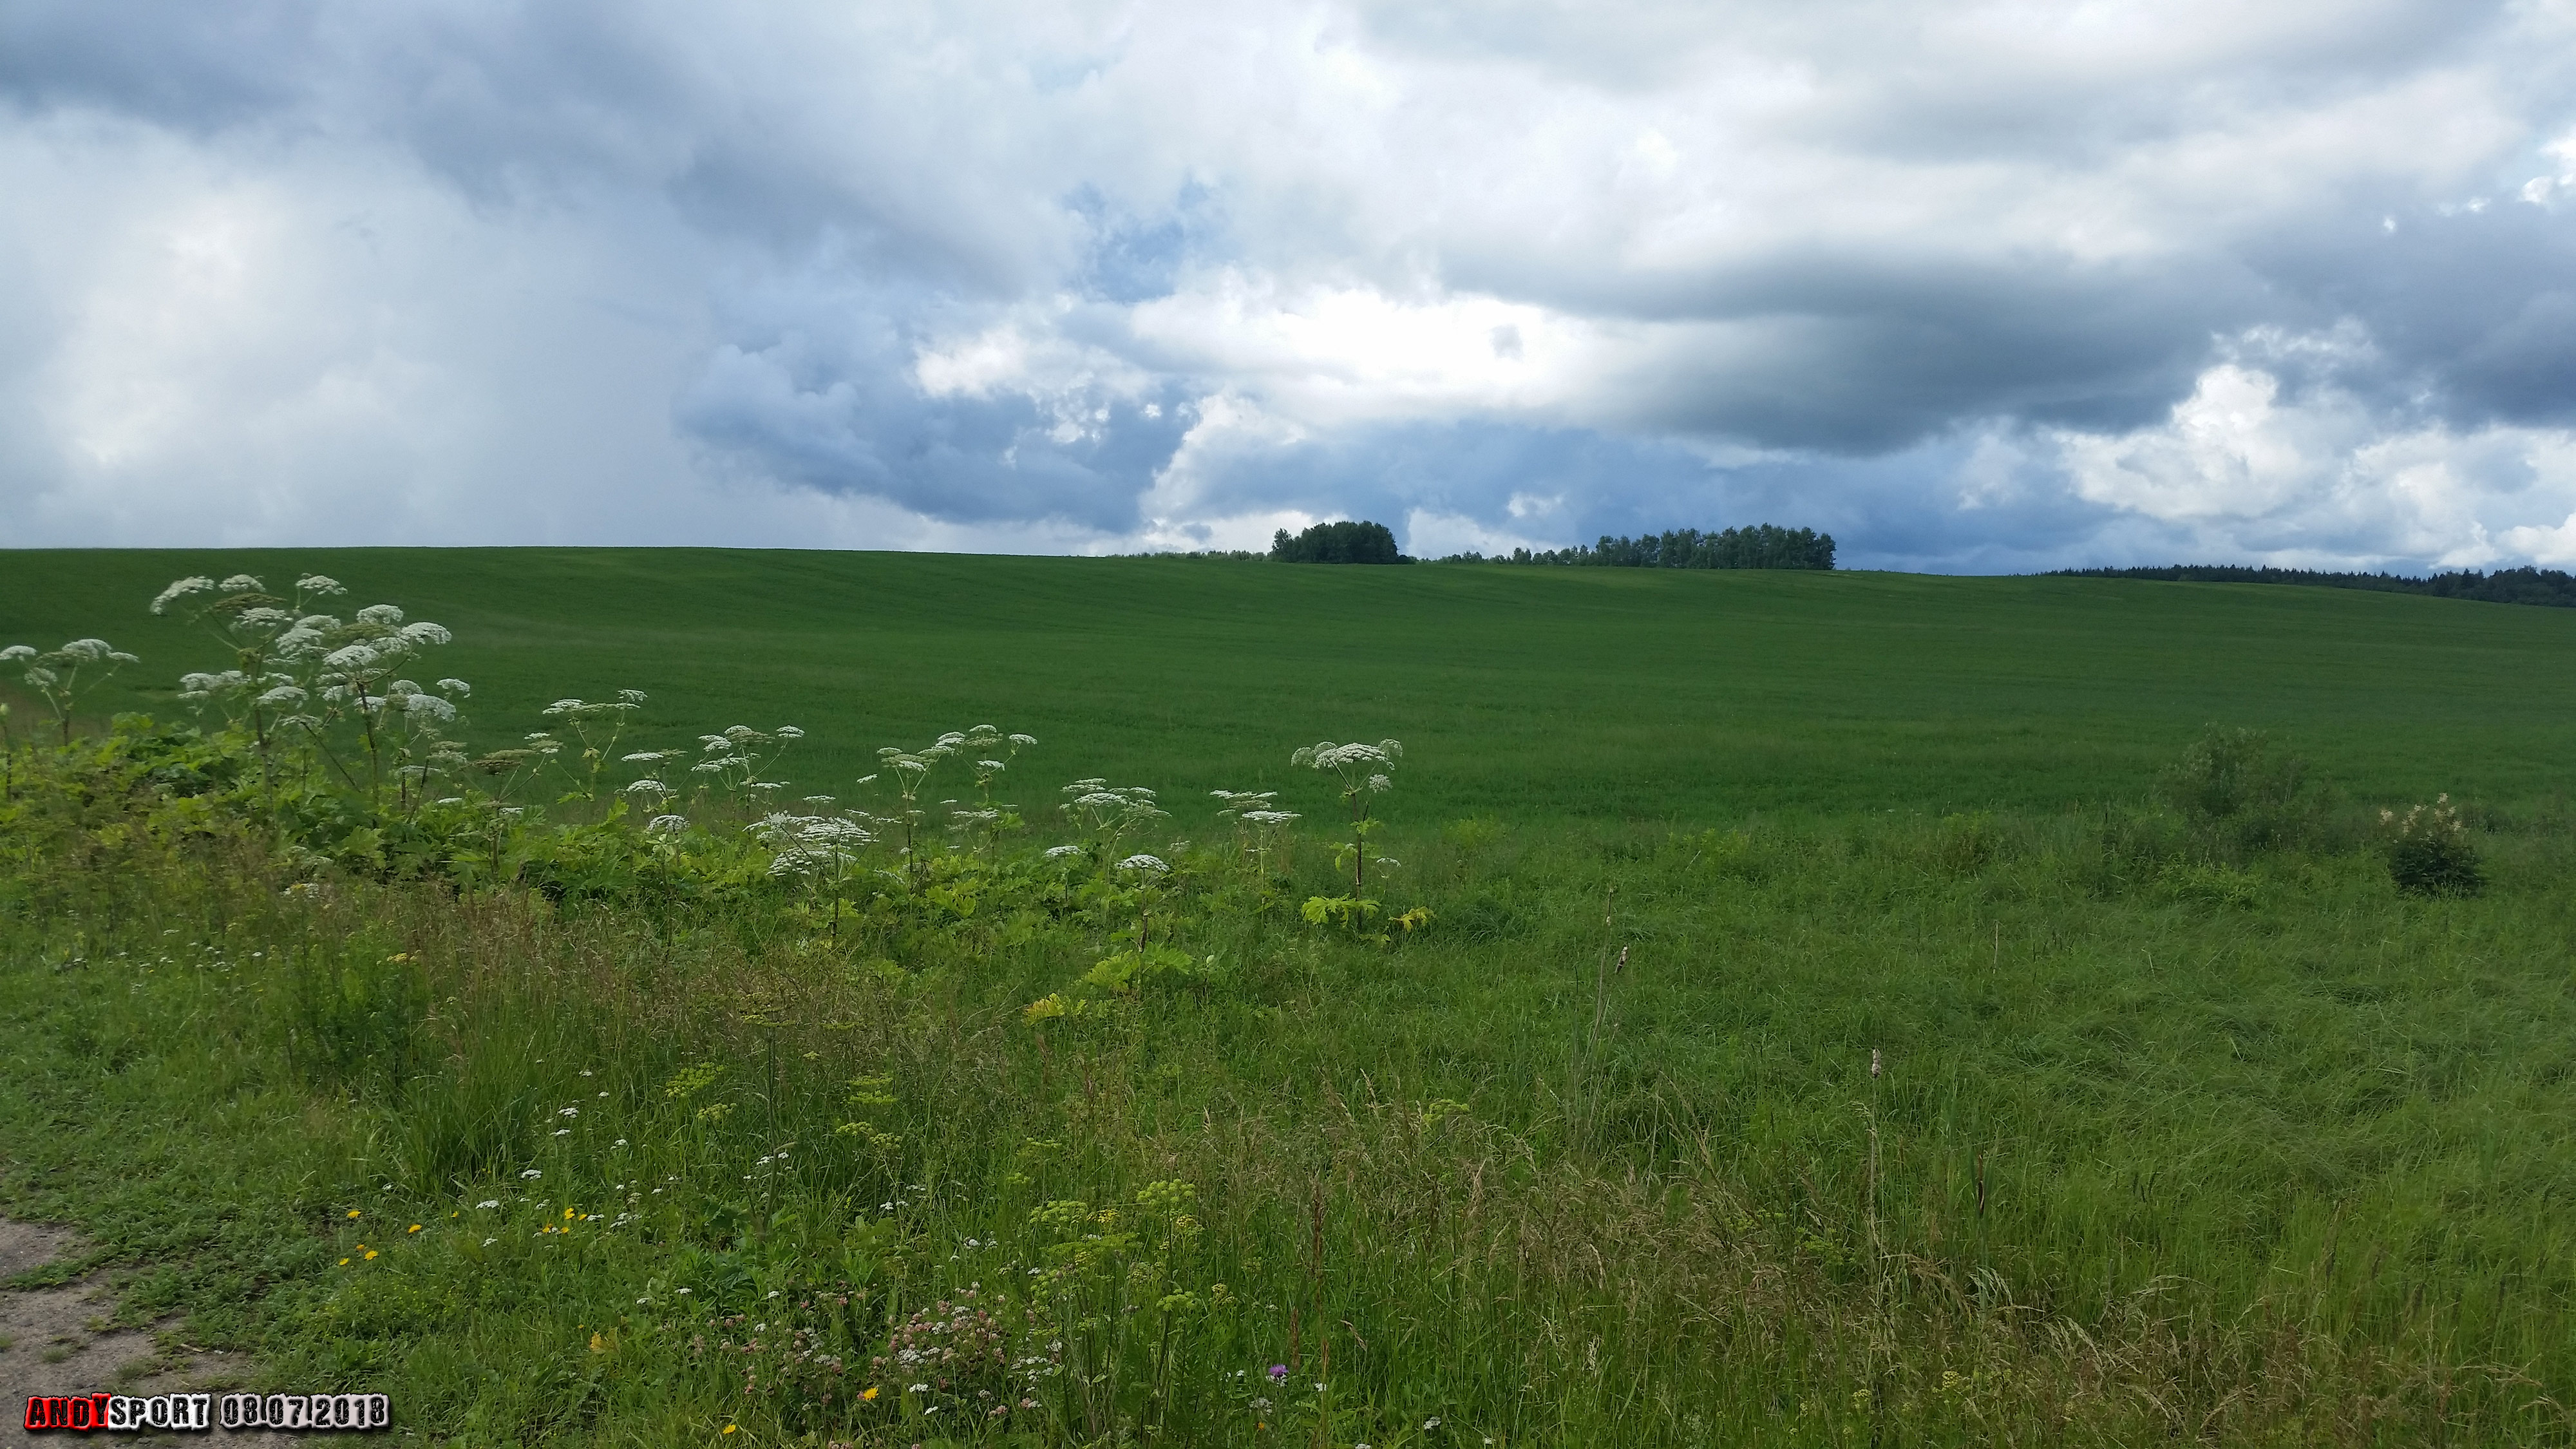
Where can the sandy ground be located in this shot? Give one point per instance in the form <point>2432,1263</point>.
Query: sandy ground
<point>55,1341</point>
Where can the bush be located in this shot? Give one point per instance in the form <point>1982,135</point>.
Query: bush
<point>2232,772</point>
<point>2430,853</point>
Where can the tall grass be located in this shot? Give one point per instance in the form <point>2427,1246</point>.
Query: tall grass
<point>2174,1140</point>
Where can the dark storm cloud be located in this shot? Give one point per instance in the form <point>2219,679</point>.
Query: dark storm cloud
<point>1969,285</point>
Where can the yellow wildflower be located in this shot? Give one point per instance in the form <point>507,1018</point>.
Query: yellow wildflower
<point>870,1394</point>
<point>371,1254</point>
<point>353,1212</point>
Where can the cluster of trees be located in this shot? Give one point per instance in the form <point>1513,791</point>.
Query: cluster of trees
<point>1762,546</point>
<point>2505,586</point>
<point>1346,542</point>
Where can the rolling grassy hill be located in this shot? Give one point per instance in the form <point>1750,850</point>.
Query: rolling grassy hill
<point>1925,1109</point>
<point>1536,693</point>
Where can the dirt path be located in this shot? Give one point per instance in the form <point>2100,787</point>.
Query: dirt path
<point>55,1341</point>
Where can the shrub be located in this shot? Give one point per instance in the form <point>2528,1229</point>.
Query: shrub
<point>2232,772</point>
<point>2430,853</point>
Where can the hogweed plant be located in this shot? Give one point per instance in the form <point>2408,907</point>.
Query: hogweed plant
<point>263,686</point>
<point>1362,769</point>
<point>988,818</point>
<point>732,761</point>
<point>351,671</point>
<point>1105,814</point>
<point>909,772</point>
<point>61,676</point>
<point>814,850</point>
<point>595,726</point>
<point>1260,826</point>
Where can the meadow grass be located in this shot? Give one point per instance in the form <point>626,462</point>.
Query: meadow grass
<point>2180,1133</point>
<point>1545,694</point>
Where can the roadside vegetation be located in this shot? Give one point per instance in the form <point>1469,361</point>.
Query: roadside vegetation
<point>574,1079</point>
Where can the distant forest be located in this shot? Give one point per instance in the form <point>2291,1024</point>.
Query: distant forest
<point>2505,586</point>
<point>1762,546</point>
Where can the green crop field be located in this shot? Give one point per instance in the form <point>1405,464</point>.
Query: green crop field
<point>1801,1009</point>
<point>1543,694</point>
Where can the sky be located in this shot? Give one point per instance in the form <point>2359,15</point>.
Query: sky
<point>1974,287</point>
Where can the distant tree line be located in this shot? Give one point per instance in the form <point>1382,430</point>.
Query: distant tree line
<point>1345,542</point>
<point>1762,546</point>
<point>2505,586</point>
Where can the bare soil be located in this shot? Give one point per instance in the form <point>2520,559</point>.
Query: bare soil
<point>58,1340</point>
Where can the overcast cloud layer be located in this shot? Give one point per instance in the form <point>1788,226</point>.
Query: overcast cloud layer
<point>1974,287</point>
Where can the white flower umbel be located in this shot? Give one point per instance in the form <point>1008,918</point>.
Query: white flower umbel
<point>1105,812</point>
<point>61,676</point>
<point>1260,826</point>
<point>595,726</point>
<point>816,850</point>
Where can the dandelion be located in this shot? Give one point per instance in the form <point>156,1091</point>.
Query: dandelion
<point>371,1255</point>
<point>413,1228</point>
<point>353,1212</point>
<point>870,1392</point>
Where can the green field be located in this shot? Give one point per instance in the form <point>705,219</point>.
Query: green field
<point>2191,1126</point>
<point>1605,694</point>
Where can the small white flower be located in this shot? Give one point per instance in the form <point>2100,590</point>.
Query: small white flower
<point>489,1202</point>
<point>531,1173</point>
<point>1059,852</point>
<point>383,616</point>
<point>569,1112</point>
<point>1151,864</point>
